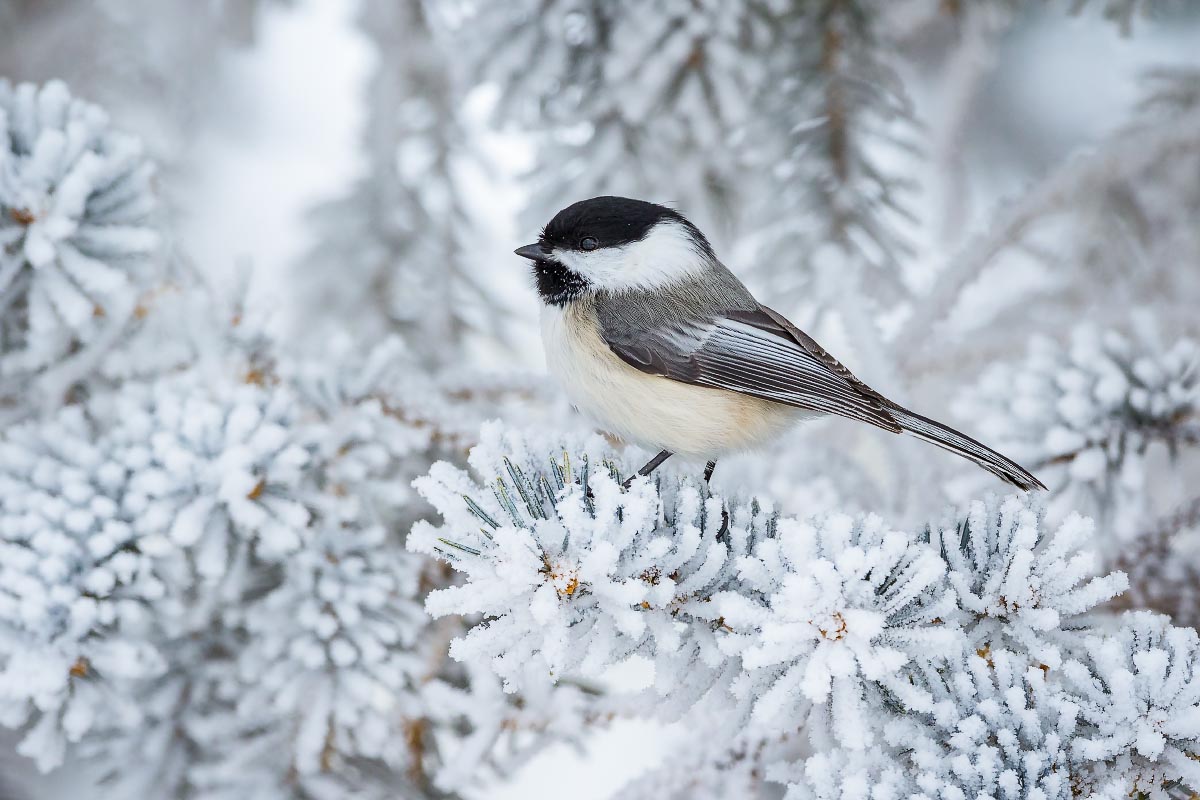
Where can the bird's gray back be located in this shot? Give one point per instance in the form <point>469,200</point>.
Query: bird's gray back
<point>713,293</point>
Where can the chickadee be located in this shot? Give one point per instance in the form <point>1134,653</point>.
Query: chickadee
<point>656,340</point>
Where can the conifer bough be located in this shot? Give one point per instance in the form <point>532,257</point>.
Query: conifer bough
<point>965,659</point>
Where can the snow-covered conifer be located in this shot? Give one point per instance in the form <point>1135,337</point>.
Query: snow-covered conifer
<point>77,239</point>
<point>1085,414</point>
<point>1107,230</point>
<point>551,579</point>
<point>1164,573</point>
<point>995,725</point>
<point>214,580</point>
<point>400,252</point>
<point>1019,583</point>
<point>71,573</point>
<point>622,95</point>
<point>840,605</point>
<point>207,568</point>
<point>113,532</point>
<point>1137,698</point>
<point>836,199</point>
<point>147,63</point>
<point>945,661</point>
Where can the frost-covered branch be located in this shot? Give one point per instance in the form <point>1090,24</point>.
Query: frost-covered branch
<point>1086,414</point>
<point>955,660</point>
<point>77,240</point>
<point>966,71</point>
<point>1135,164</point>
<point>1164,573</point>
<point>622,95</point>
<point>203,570</point>
<point>836,201</point>
<point>399,253</point>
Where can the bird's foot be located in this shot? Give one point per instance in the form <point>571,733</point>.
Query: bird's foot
<point>724,529</point>
<point>647,468</point>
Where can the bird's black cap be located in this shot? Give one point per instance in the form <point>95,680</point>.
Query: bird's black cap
<point>612,222</point>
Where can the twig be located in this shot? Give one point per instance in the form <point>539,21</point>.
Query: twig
<point>1123,158</point>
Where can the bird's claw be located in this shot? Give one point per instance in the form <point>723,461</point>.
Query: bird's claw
<point>724,529</point>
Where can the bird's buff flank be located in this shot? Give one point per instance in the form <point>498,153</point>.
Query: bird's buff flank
<point>653,411</point>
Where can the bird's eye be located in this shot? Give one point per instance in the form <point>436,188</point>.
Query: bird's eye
<point>588,243</point>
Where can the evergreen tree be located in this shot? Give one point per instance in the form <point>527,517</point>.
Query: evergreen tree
<point>234,565</point>
<point>961,660</point>
<point>397,254</point>
<point>77,241</point>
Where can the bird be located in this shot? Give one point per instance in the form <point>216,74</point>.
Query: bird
<point>658,342</point>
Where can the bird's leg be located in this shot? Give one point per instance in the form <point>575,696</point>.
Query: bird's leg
<point>649,467</point>
<point>724,529</point>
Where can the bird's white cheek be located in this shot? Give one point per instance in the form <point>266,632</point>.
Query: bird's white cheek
<point>603,268</point>
<point>666,254</point>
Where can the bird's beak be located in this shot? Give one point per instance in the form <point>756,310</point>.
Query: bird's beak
<point>534,252</point>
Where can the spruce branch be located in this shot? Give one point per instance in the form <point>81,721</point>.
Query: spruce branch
<point>78,240</point>
<point>405,231</point>
<point>902,658</point>
<point>1163,574</point>
<point>1086,414</point>
<point>1117,162</point>
<point>203,569</point>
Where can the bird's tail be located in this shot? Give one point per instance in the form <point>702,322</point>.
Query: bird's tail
<point>961,444</point>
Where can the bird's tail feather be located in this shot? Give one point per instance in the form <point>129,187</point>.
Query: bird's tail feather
<point>963,445</point>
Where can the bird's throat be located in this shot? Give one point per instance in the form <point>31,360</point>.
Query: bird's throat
<point>556,284</point>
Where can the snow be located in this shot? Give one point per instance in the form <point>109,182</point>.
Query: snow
<point>205,505</point>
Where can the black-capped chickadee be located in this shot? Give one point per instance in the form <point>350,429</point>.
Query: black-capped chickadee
<point>656,340</point>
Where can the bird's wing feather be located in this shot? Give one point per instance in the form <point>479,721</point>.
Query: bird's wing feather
<point>755,352</point>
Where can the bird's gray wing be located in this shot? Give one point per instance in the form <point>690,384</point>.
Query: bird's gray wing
<point>752,351</point>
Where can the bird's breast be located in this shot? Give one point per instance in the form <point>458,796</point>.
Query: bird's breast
<point>649,410</point>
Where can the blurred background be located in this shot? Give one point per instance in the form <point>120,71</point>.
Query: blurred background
<point>927,186</point>
<point>263,114</point>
